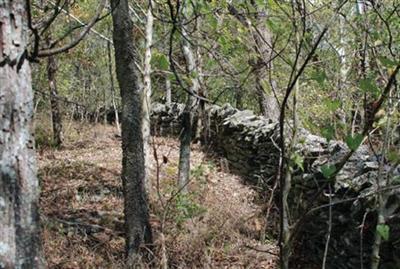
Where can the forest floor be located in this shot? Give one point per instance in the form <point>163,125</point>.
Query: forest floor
<point>217,225</point>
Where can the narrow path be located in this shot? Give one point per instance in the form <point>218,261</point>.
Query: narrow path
<point>217,225</point>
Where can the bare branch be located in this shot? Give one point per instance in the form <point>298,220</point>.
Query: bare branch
<point>49,52</point>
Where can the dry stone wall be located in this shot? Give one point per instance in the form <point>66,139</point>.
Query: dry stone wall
<point>249,143</point>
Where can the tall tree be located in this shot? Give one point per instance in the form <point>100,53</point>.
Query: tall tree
<point>110,71</point>
<point>168,91</point>
<point>268,104</point>
<point>363,64</point>
<point>56,118</point>
<point>19,187</point>
<point>137,225</point>
<point>263,46</point>
<point>147,94</point>
<point>190,107</point>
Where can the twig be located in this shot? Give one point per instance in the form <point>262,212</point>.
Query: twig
<point>49,52</point>
<point>328,237</point>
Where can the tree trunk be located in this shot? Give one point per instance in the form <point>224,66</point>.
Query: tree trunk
<point>363,65</point>
<point>187,117</point>
<point>137,225</point>
<point>201,124</point>
<point>268,104</point>
<point>263,40</point>
<point>113,88</point>
<point>168,90</point>
<point>106,105</point>
<point>19,188</point>
<point>56,118</point>
<point>239,98</point>
<point>185,140</point>
<point>147,97</point>
<point>343,73</point>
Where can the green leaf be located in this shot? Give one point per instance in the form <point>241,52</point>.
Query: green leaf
<point>319,76</point>
<point>164,63</point>
<point>209,63</point>
<point>271,4</point>
<point>298,160</point>
<point>161,61</point>
<point>273,26</point>
<point>194,74</point>
<point>328,132</point>
<point>332,105</point>
<point>328,171</point>
<point>368,85</point>
<point>383,230</point>
<point>387,62</point>
<point>353,142</point>
<point>260,3</point>
<point>213,21</point>
<point>223,42</point>
<point>393,156</point>
<point>171,77</point>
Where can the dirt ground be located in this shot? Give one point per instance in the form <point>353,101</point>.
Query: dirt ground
<point>218,224</point>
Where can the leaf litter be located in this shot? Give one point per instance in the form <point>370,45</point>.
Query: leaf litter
<point>218,224</point>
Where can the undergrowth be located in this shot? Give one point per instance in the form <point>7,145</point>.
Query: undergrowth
<point>215,225</point>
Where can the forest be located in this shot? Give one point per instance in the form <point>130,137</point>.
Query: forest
<point>200,134</point>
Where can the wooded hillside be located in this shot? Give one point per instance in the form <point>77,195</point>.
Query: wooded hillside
<point>200,134</point>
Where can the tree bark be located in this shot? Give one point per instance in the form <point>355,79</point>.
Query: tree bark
<point>147,97</point>
<point>19,187</point>
<point>137,225</point>
<point>363,63</point>
<point>343,71</point>
<point>185,141</point>
<point>202,127</point>
<point>187,117</point>
<point>239,98</point>
<point>56,118</point>
<point>268,104</point>
<point>168,92</point>
<point>263,40</point>
<point>113,88</point>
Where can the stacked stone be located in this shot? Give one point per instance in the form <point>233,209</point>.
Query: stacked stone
<point>354,221</point>
<point>250,144</point>
<point>247,141</point>
<point>166,120</point>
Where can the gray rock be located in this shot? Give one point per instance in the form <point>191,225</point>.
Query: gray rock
<point>249,143</point>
